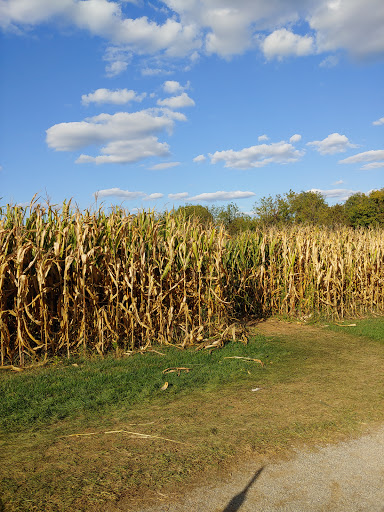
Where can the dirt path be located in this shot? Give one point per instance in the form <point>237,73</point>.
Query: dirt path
<point>348,476</point>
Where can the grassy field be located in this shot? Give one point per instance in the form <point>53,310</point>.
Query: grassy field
<point>101,434</point>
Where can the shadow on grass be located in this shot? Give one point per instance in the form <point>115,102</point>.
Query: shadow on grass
<point>237,501</point>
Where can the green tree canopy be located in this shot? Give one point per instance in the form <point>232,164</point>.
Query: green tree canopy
<point>195,210</point>
<point>365,210</point>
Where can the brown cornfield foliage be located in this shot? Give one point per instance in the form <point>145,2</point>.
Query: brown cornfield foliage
<point>75,281</point>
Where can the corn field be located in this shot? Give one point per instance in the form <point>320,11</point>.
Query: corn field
<point>75,280</point>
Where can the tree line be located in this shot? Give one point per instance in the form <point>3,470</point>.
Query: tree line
<point>308,208</point>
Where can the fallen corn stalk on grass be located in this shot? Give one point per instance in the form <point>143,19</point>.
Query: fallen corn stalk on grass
<point>138,435</point>
<point>85,281</point>
<point>246,359</point>
<point>176,370</point>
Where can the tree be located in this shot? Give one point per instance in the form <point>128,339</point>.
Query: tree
<point>360,210</point>
<point>377,197</point>
<point>336,216</point>
<point>302,208</point>
<point>309,208</point>
<point>274,211</point>
<point>365,210</point>
<point>195,211</point>
<point>232,218</point>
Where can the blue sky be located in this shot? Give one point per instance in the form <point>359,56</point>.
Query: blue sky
<point>157,104</point>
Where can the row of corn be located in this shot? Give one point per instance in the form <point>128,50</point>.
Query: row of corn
<point>75,280</point>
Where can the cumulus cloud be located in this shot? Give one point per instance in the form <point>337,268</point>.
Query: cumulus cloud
<point>118,59</point>
<point>172,87</point>
<point>200,158</point>
<point>295,138</point>
<point>339,193</point>
<point>118,192</point>
<point>117,97</point>
<point>127,194</point>
<point>215,26</point>
<point>164,165</point>
<point>338,182</point>
<point>181,101</point>
<point>115,68</point>
<point>105,19</point>
<point>262,137</point>
<point>258,156</point>
<point>179,195</point>
<point>375,159</point>
<point>221,196</point>
<point>153,197</point>
<point>378,122</point>
<point>127,152</point>
<point>125,137</point>
<point>334,143</point>
<point>350,24</point>
<point>229,31</point>
<point>283,43</point>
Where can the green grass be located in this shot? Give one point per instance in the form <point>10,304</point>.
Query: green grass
<point>96,386</point>
<point>372,328</point>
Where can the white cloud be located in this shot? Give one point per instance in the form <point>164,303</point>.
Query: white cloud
<point>258,156</point>
<point>105,19</point>
<point>164,165</point>
<point>126,137</point>
<point>338,182</point>
<point>200,158</point>
<point>340,193</point>
<point>221,196</point>
<point>373,165</point>
<point>283,43</point>
<point>118,192</point>
<point>374,157</point>
<point>179,195</point>
<point>103,127</point>
<point>295,138</point>
<point>223,27</point>
<point>118,59</point>
<point>329,62</point>
<point>115,68</point>
<point>152,197</point>
<point>154,71</point>
<point>262,137</point>
<point>117,97</point>
<point>172,87</point>
<point>378,122</point>
<point>334,143</point>
<point>127,194</point>
<point>229,32</point>
<point>181,101</point>
<point>350,24</point>
<point>32,12</point>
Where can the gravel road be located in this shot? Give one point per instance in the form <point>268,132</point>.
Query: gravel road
<point>345,477</point>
